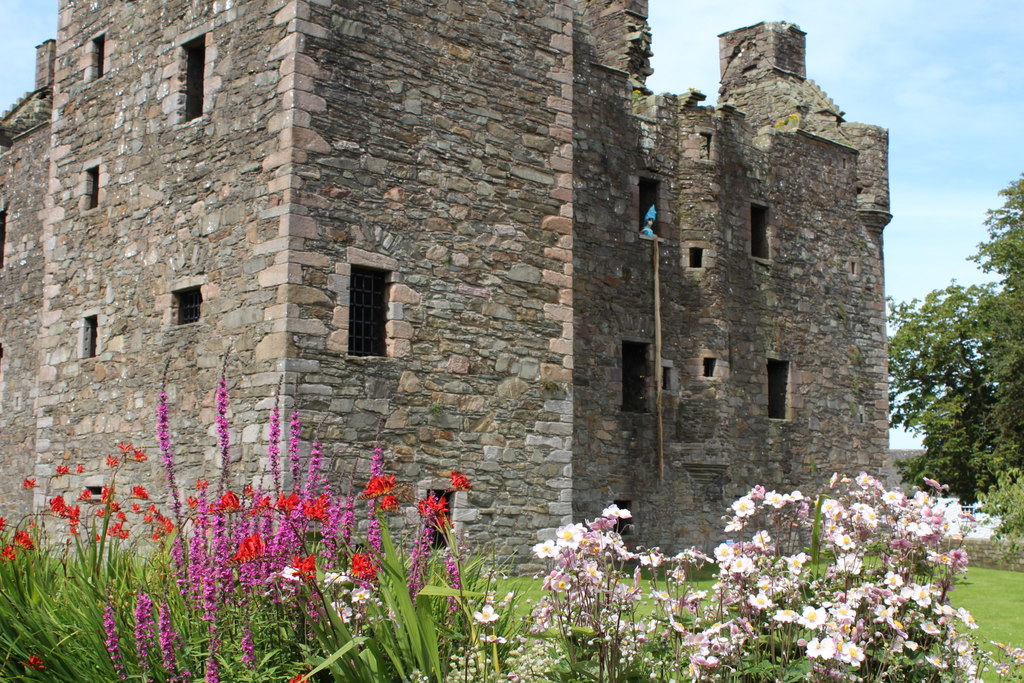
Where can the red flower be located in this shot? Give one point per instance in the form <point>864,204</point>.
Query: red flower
<point>286,504</point>
<point>305,568</point>
<point>379,485</point>
<point>434,510</point>
<point>138,455</point>
<point>193,502</point>
<point>62,469</point>
<point>229,502</point>
<point>247,491</point>
<point>3,523</point>
<point>124,447</point>
<point>8,554</point>
<point>57,505</point>
<point>362,567</point>
<point>140,492</point>
<point>460,482</point>
<point>86,494</point>
<point>202,484</point>
<point>35,662</point>
<point>113,461</point>
<point>24,540</point>
<point>79,469</point>
<point>389,503</point>
<point>28,484</point>
<point>249,549</point>
<point>316,509</point>
<point>298,678</point>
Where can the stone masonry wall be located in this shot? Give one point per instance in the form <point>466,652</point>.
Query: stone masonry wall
<point>23,169</point>
<point>436,150</point>
<point>181,204</point>
<point>815,301</point>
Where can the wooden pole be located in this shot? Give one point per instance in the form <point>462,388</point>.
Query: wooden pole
<point>658,371</point>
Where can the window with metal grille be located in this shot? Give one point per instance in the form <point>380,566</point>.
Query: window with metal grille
<point>189,303</point>
<point>195,66</point>
<point>367,312</point>
<point>90,336</point>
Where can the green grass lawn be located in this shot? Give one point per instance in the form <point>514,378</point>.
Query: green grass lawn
<point>996,599</point>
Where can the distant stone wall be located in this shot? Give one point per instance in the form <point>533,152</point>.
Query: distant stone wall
<point>992,555</point>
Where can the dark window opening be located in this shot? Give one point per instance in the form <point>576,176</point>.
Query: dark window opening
<point>99,45</point>
<point>709,366</point>
<point>95,491</point>
<point>648,218</point>
<point>189,304</point>
<point>439,539</point>
<point>853,267</point>
<point>90,335</point>
<point>667,379</point>
<point>696,257</point>
<point>759,231</point>
<point>705,145</point>
<point>3,236</point>
<point>367,313</point>
<point>634,377</point>
<point>778,380</point>
<point>623,526</point>
<point>195,66</point>
<point>92,187</point>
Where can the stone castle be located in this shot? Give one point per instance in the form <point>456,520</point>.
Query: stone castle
<point>468,225</point>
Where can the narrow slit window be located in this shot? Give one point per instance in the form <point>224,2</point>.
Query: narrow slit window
<point>634,377</point>
<point>99,48</point>
<point>624,526</point>
<point>92,187</point>
<point>90,336</point>
<point>696,257</point>
<point>778,388</point>
<point>367,312</point>
<point>668,379</point>
<point>759,246</point>
<point>189,305</point>
<point>3,236</point>
<point>709,366</point>
<point>195,67</point>
<point>648,206</point>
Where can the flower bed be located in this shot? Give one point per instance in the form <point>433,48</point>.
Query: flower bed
<point>305,582</point>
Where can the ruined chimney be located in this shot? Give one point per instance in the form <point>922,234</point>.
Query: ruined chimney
<point>621,35</point>
<point>751,52</point>
<point>45,55</point>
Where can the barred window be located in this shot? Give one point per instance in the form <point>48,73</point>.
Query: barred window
<point>189,303</point>
<point>367,312</point>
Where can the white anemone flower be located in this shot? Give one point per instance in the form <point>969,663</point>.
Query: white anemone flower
<point>486,615</point>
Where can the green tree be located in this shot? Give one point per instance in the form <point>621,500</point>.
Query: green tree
<point>956,365</point>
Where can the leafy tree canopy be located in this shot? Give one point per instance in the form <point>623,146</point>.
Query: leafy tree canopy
<point>956,364</point>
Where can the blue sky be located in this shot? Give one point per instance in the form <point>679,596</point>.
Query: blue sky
<point>945,78</point>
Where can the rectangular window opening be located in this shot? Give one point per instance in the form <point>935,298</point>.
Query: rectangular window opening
<point>90,336</point>
<point>367,312</point>
<point>778,389</point>
<point>648,213</point>
<point>624,526</point>
<point>709,366</point>
<point>92,187</point>
<point>668,379</point>
<point>696,257</point>
<point>759,246</point>
<point>195,67</point>
<point>188,304</point>
<point>99,45</point>
<point>634,377</point>
<point>95,491</point>
<point>705,145</point>
<point>448,496</point>
<point>3,236</point>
